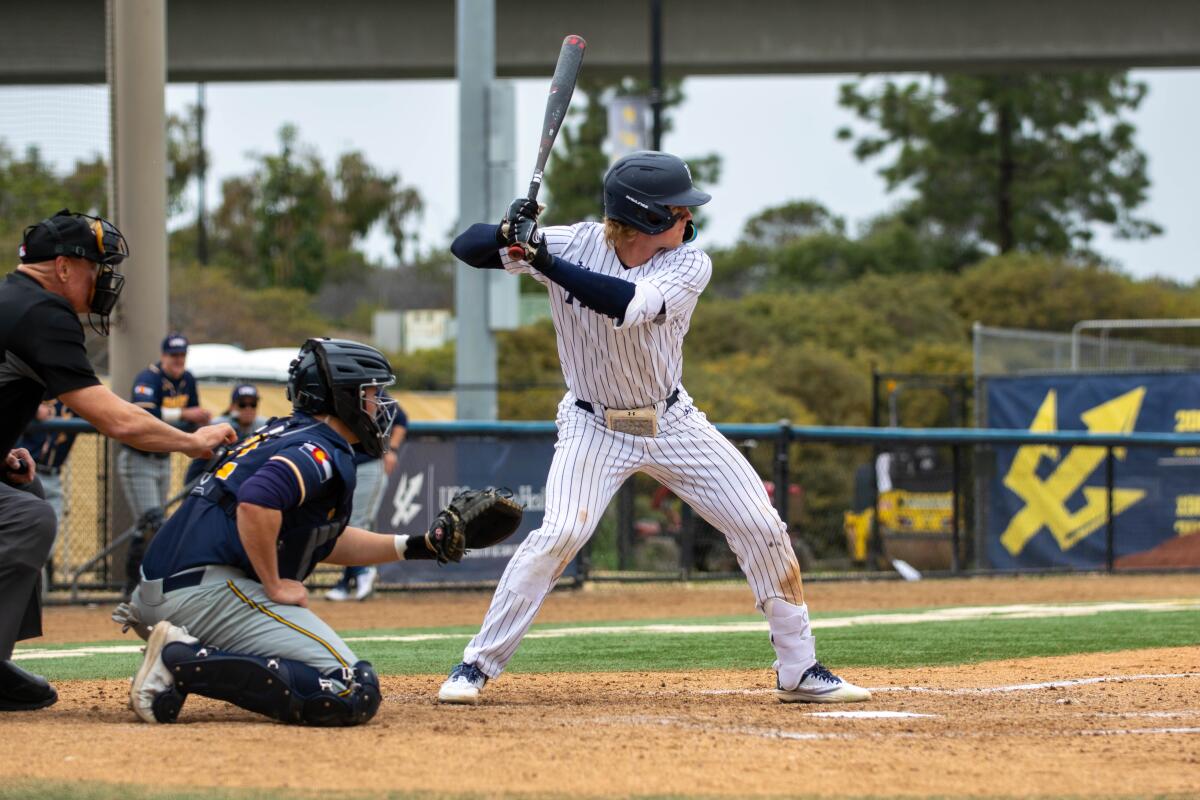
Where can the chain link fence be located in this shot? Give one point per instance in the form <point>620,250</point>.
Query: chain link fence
<point>1008,351</point>
<point>840,525</point>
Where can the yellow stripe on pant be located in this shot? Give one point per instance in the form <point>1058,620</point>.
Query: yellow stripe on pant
<point>258,607</point>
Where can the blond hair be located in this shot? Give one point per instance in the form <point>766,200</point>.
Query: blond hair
<point>618,233</point>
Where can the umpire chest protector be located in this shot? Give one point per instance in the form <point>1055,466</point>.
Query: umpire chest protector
<point>204,531</point>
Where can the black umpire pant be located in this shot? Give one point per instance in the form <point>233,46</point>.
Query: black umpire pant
<point>27,527</point>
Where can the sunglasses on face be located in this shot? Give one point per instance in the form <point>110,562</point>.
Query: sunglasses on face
<point>247,404</point>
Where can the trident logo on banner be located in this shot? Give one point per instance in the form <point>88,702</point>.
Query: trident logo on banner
<point>1046,498</point>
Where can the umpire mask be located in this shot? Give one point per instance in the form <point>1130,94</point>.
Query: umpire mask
<point>82,236</point>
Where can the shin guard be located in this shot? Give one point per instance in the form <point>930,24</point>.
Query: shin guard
<point>280,688</point>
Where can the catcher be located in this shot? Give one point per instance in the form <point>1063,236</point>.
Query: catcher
<point>221,602</point>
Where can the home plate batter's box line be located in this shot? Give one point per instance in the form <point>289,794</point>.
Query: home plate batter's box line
<point>960,614</point>
<point>774,733</point>
<point>1016,687</point>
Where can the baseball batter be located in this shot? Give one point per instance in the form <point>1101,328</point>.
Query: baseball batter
<point>622,293</point>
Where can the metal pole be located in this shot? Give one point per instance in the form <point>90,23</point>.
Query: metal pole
<point>874,397</point>
<point>875,544</point>
<point>625,525</point>
<point>687,540</point>
<point>201,176</point>
<point>955,562</point>
<point>1110,531</point>
<point>656,77</point>
<point>475,348</point>
<point>783,469</point>
<point>138,86</point>
<point>137,58</point>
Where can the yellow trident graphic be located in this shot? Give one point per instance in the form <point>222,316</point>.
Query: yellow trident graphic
<point>1046,499</point>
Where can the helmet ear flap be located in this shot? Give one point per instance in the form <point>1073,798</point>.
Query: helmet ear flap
<point>309,386</point>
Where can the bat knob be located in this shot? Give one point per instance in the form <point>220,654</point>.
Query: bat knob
<point>516,252</point>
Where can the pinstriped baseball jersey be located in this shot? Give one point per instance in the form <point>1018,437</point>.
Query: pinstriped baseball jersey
<point>621,367</point>
<point>633,364</point>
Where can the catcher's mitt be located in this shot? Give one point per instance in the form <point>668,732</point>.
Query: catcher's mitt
<point>475,518</point>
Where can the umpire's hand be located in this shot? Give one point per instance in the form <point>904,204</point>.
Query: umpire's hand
<point>18,466</point>
<point>209,437</point>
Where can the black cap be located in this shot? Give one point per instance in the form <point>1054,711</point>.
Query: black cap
<point>175,344</point>
<point>75,236</point>
<point>244,391</point>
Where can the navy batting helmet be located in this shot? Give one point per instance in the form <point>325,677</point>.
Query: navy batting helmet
<point>331,376</point>
<point>640,188</point>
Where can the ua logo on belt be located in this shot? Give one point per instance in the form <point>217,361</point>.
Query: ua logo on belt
<point>1046,498</point>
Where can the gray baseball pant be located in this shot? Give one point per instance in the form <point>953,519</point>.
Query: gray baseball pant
<point>231,612</point>
<point>27,528</point>
<point>145,479</point>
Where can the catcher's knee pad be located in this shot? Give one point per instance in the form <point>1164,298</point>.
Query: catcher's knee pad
<point>280,688</point>
<point>353,706</point>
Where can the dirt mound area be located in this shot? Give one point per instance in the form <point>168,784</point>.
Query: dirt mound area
<point>1106,724</point>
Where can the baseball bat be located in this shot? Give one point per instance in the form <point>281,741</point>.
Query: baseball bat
<point>562,86</point>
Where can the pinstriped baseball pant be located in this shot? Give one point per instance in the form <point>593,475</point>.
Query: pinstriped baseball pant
<point>691,458</point>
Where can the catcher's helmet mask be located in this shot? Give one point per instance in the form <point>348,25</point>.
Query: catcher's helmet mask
<point>641,188</point>
<point>332,376</point>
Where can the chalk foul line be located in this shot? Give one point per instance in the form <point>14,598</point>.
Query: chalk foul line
<point>960,614</point>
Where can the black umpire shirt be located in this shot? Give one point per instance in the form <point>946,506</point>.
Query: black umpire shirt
<point>42,353</point>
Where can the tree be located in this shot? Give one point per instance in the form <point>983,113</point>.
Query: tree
<point>802,245</point>
<point>31,190</point>
<point>1015,162</point>
<point>185,157</point>
<point>208,303</point>
<point>292,223</point>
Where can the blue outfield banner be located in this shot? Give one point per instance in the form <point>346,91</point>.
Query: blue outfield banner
<point>430,471</point>
<point>1048,505</point>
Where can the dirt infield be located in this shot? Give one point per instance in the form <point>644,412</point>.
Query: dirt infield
<point>977,730</point>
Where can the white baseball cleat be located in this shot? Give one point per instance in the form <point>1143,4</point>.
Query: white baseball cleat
<point>153,678</point>
<point>338,594</point>
<point>365,586</point>
<point>819,685</point>
<point>463,686</point>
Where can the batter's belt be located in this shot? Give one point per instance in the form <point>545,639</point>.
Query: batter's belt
<point>671,400</point>
<point>635,421</point>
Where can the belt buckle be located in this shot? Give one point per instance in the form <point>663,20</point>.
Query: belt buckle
<point>633,421</point>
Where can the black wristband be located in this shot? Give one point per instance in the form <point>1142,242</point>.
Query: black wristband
<point>415,549</point>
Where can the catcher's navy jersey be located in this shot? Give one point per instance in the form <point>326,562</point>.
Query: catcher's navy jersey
<point>204,529</point>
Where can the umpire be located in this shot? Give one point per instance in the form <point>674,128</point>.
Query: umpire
<point>68,267</point>
<point>168,391</point>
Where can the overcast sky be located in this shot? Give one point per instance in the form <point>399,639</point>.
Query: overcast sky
<point>775,135</point>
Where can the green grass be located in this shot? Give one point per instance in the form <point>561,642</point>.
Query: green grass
<point>882,645</point>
